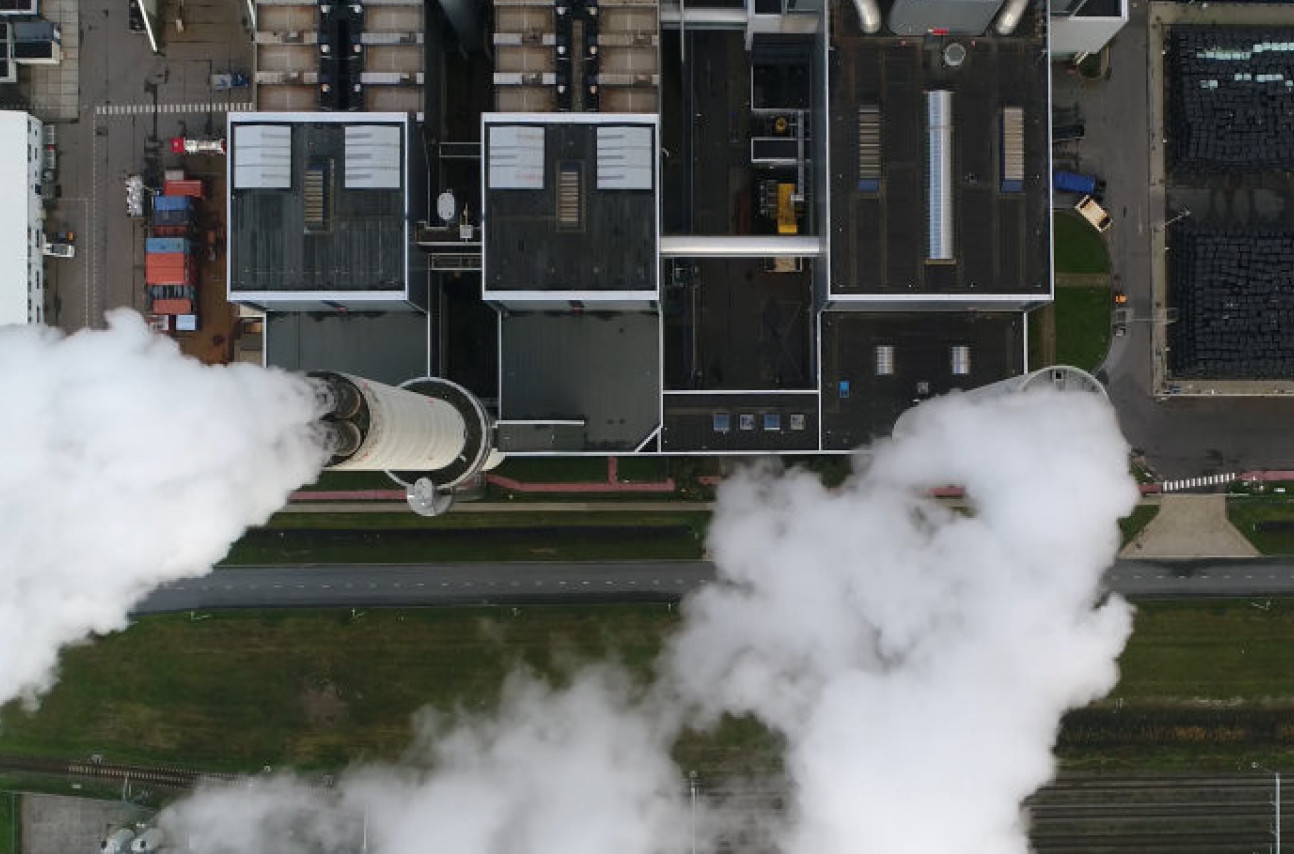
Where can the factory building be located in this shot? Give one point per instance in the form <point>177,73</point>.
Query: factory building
<point>22,279</point>
<point>636,227</point>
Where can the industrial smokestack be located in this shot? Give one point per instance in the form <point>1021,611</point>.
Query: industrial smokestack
<point>429,435</point>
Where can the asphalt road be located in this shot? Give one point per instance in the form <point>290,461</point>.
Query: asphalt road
<point>346,585</point>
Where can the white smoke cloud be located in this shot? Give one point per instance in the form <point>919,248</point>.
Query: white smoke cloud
<point>125,465</point>
<point>583,770</point>
<point>917,660</point>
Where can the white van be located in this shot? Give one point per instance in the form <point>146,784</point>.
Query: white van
<point>1093,213</point>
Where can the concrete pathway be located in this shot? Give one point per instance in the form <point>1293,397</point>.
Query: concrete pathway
<point>1190,526</point>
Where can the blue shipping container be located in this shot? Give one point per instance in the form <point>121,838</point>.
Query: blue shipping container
<point>172,217</point>
<point>165,245</point>
<point>172,203</point>
<point>1073,182</point>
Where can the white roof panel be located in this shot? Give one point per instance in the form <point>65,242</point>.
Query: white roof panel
<point>15,218</point>
<point>625,158</point>
<point>373,160</point>
<point>262,157</point>
<point>516,157</point>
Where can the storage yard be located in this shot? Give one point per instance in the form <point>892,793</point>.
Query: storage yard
<point>1235,294</point>
<point>1230,238</point>
<point>1232,89</point>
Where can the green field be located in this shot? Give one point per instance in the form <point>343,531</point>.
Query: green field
<point>1268,523</point>
<point>1131,525</point>
<point>406,537</point>
<point>1079,247</point>
<point>1082,326</point>
<point>9,823</point>
<point>554,469</point>
<point>1203,684</point>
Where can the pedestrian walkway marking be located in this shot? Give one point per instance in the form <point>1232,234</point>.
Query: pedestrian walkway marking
<point>1196,482</point>
<point>196,107</point>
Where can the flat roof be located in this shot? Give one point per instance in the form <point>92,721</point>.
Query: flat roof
<point>570,203</point>
<point>603,368</point>
<point>730,323</point>
<point>879,227</point>
<point>743,422</point>
<point>389,347</point>
<point>14,218</point>
<point>859,402</point>
<point>322,208</point>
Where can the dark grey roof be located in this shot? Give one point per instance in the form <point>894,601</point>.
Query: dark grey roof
<point>922,345</point>
<point>878,239</point>
<point>740,422</point>
<point>730,324</point>
<point>611,246</point>
<point>600,367</point>
<point>389,347</point>
<point>362,247</point>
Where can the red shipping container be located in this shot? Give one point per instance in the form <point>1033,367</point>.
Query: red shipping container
<point>172,268</point>
<point>173,306</point>
<point>189,187</point>
<point>170,230</point>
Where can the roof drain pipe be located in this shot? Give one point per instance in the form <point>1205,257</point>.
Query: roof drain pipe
<point>869,15</point>
<point>1010,17</point>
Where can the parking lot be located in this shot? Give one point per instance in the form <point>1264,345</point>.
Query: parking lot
<point>131,104</point>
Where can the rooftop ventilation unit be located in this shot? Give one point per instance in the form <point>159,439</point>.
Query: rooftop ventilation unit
<point>939,190</point>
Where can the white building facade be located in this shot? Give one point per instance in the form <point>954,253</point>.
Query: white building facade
<point>22,267</point>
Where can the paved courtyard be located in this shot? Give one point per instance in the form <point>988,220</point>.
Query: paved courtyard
<point>54,824</point>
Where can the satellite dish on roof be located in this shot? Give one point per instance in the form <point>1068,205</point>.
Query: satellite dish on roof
<point>446,206</point>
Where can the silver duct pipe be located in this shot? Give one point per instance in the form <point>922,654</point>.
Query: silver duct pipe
<point>869,15</point>
<point>1010,17</point>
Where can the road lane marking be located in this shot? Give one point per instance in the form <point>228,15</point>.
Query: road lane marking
<point>192,107</point>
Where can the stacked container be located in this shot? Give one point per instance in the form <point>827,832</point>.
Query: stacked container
<point>172,216</point>
<point>170,269</point>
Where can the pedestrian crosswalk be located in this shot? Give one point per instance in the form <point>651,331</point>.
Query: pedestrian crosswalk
<point>1197,482</point>
<point>197,107</point>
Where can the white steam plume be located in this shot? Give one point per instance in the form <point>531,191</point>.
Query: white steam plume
<point>583,770</point>
<point>124,465</point>
<point>916,658</point>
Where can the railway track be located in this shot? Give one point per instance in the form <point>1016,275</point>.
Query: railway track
<point>1087,814</point>
<point>167,777</point>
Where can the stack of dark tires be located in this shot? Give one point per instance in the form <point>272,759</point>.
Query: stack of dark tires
<point>1234,292</point>
<point>1231,101</point>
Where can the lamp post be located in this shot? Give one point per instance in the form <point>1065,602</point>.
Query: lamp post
<point>691,785</point>
<point>1276,803</point>
<point>1182,214</point>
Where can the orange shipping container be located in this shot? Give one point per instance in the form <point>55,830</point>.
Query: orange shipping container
<point>173,306</point>
<point>191,187</point>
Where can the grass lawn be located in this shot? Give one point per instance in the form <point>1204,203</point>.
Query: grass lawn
<point>1268,523</point>
<point>1205,685</point>
<point>1079,247</point>
<point>1139,518</point>
<point>1082,326</point>
<point>554,469</point>
<point>406,537</point>
<point>10,842</point>
<point>350,480</point>
<point>317,688</point>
